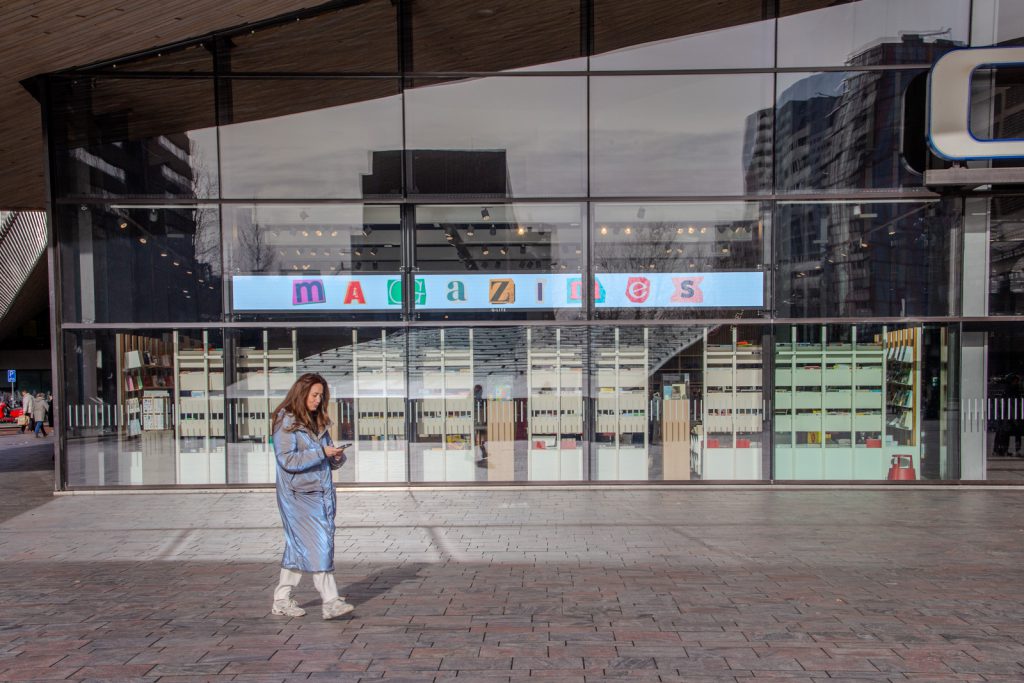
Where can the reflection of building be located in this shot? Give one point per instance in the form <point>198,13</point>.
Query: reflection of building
<point>842,131</point>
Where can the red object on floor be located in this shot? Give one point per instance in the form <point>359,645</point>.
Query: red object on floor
<point>902,468</point>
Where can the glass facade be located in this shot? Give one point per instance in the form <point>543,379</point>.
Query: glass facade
<point>643,241</point>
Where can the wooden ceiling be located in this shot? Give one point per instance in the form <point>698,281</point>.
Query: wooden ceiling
<point>41,36</point>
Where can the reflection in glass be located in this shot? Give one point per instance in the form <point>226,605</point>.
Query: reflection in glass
<point>501,35</point>
<point>143,408</point>
<point>312,139</point>
<point>997,23</point>
<point>856,258</point>
<point>680,135</point>
<point>1006,256</point>
<point>115,137</point>
<point>130,263</point>
<point>555,407</point>
<point>665,34</point>
<point>498,137</point>
<point>356,38</point>
<point>842,130</point>
<point>867,32</point>
<point>312,239</point>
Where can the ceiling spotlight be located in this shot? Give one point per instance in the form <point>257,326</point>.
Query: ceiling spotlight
<point>367,229</point>
<point>470,232</point>
<point>153,216</point>
<point>494,231</point>
<point>503,251</point>
<point>486,251</point>
<point>163,253</point>
<point>319,233</point>
<point>485,214</point>
<point>641,212</point>
<point>628,230</point>
<point>679,231</point>
<point>520,231</point>
<point>305,233</point>
<point>604,229</point>
<point>522,248</point>
<point>373,252</point>
<point>175,263</point>
<point>142,240</point>
<point>334,233</point>
<point>123,225</point>
<point>357,252</point>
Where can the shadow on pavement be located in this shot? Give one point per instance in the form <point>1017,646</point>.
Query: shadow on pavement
<point>26,474</point>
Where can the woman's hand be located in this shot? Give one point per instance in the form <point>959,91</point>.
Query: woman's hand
<point>333,452</point>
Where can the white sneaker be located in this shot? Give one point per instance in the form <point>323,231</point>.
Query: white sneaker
<point>336,608</point>
<point>287,608</point>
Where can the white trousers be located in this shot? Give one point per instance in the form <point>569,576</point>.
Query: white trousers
<point>322,581</point>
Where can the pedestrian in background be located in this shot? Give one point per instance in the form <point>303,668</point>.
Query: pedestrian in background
<point>39,409</point>
<point>306,455</point>
<point>26,410</point>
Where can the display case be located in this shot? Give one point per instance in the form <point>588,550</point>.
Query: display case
<point>732,409</point>
<point>554,407</point>
<point>146,384</point>
<point>621,407</point>
<point>843,408</point>
<point>378,449</point>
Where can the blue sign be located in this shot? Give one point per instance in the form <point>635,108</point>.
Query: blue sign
<point>735,289</point>
<point>310,293</point>
<point>12,376</point>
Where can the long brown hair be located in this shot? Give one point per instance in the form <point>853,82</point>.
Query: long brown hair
<point>295,405</point>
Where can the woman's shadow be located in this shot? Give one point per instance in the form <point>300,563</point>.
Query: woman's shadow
<point>378,583</point>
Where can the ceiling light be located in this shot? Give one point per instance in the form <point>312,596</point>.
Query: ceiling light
<point>319,233</point>
<point>470,232</point>
<point>628,230</point>
<point>520,231</point>
<point>486,251</point>
<point>142,240</point>
<point>604,229</point>
<point>123,225</point>
<point>641,212</point>
<point>485,214</point>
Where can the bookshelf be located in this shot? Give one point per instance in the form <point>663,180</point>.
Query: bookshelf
<point>146,384</point>
<point>843,408</point>
<point>621,407</point>
<point>378,450</point>
<point>445,419</point>
<point>732,410</point>
<point>554,408</point>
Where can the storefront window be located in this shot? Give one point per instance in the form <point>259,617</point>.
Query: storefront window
<point>680,135</point>
<point>120,137</point>
<point>853,258</point>
<point>664,34</point>
<point>1006,256</point>
<point>497,137</point>
<point>656,260</point>
<point>857,402</point>
<point>144,408</point>
<point>521,260</point>
<point>131,263</point>
<point>311,139</point>
<point>869,32</point>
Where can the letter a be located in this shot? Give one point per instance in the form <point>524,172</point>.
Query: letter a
<point>354,293</point>
<point>456,291</point>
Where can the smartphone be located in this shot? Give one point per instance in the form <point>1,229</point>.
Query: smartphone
<point>344,445</point>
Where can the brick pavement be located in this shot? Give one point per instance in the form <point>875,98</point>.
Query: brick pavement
<point>509,585</point>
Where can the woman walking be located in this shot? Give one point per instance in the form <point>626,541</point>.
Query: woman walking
<point>305,495</point>
<point>39,409</point>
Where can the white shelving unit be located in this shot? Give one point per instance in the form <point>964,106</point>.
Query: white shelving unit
<point>843,409</point>
<point>199,426</point>
<point>732,410</point>
<point>378,386</point>
<point>622,390</point>
<point>446,411</point>
<point>554,411</point>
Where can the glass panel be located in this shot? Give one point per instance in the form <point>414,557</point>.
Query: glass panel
<point>996,422</point>
<point>842,130</point>
<point>134,138</point>
<point>666,34</point>
<point>139,263</point>
<point>997,22</point>
<point>312,139</point>
<point>144,408</point>
<point>677,403</point>
<point>443,401</point>
<point>867,32</point>
<point>263,365</point>
<point>855,258</point>
<point>289,260</point>
<point>1006,256</point>
<point>503,35</point>
<point>641,144</point>
<point>498,137</point>
<point>555,439</point>
<point>667,260</point>
<point>358,38</point>
<point>862,402</point>
<point>517,259</point>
